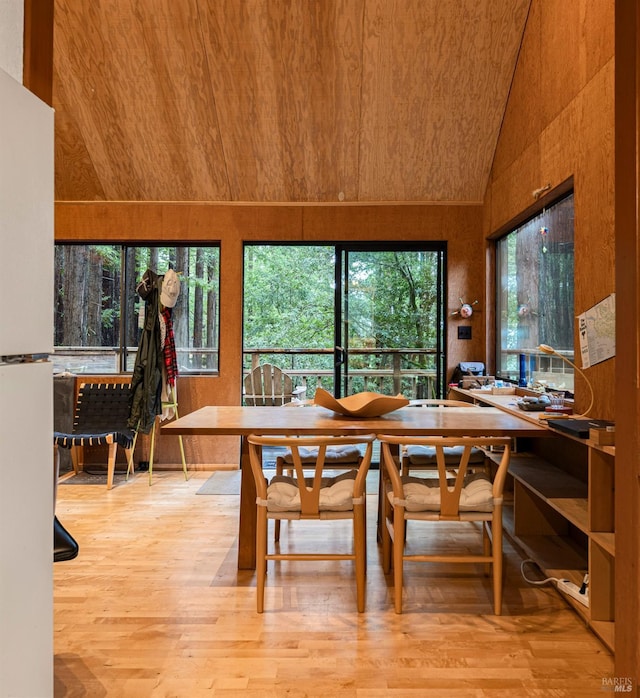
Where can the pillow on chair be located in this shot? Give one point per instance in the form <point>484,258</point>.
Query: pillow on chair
<point>335,454</point>
<point>336,493</point>
<point>426,455</point>
<point>422,494</point>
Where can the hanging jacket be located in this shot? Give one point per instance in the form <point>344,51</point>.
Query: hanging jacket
<point>146,383</point>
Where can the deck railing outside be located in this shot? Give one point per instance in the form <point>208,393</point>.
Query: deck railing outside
<point>411,372</point>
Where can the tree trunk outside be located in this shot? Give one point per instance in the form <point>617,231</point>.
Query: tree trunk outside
<point>212,317</point>
<point>181,310</point>
<point>198,308</point>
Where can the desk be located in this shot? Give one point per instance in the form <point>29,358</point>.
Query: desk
<point>568,486</point>
<point>242,421</point>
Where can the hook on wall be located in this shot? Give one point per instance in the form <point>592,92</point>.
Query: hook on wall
<point>465,310</point>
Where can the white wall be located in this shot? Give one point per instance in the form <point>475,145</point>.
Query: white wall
<point>26,408</point>
<point>12,37</point>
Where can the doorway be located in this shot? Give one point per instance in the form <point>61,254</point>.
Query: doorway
<point>348,317</point>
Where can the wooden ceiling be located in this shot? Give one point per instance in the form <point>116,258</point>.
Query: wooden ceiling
<point>281,100</point>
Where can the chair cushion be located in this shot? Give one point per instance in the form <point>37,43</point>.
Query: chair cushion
<point>334,454</point>
<point>336,493</point>
<point>122,438</point>
<point>423,494</point>
<point>426,455</point>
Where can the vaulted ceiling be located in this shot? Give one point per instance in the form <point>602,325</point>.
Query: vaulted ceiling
<point>281,100</point>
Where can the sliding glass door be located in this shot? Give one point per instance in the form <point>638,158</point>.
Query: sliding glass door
<point>348,318</point>
<point>389,320</point>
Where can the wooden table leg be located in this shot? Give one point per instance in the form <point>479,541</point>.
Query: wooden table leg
<point>248,516</point>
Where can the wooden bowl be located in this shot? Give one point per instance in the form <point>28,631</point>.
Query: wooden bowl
<point>360,404</point>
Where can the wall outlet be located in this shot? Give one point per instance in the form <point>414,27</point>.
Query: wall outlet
<point>573,590</point>
<point>464,331</point>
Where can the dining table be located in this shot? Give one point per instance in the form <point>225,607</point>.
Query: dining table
<point>230,420</point>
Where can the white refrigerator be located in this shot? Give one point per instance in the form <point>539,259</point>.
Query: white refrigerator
<point>26,392</point>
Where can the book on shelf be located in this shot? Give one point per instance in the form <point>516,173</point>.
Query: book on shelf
<point>578,427</point>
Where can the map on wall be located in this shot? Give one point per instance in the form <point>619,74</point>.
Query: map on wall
<point>597,328</point>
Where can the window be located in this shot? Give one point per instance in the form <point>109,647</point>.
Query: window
<point>535,297</point>
<point>349,317</point>
<point>98,313</point>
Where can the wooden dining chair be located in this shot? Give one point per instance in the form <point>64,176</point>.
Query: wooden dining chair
<point>337,458</point>
<point>458,497</point>
<point>268,385</point>
<point>420,457</point>
<point>313,497</point>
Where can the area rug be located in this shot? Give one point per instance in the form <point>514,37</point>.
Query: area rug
<point>88,477</point>
<point>91,478</point>
<point>222,482</point>
<point>228,482</point>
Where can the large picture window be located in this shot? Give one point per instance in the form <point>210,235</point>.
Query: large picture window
<point>348,317</point>
<point>535,297</point>
<point>98,313</point>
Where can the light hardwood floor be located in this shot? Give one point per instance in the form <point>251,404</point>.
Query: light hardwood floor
<point>154,606</point>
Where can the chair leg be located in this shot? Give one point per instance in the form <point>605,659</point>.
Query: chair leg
<point>398,554</point>
<point>496,531</point>
<point>387,522</point>
<point>111,465</point>
<point>364,535</point>
<point>486,546</point>
<point>184,460</point>
<point>129,455</point>
<point>151,448</point>
<point>130,452</point>
<point>276,522</point>
<point>77,458</point>
<point>261,560</point>
<point>360,553</point>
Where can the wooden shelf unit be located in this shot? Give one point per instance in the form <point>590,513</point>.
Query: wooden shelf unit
<point>563,511</point>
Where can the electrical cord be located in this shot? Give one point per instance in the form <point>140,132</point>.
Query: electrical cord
<point>533,581</point>
<point>580,594</point>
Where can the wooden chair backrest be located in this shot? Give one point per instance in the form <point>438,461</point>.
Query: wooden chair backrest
<point>310,492</point>
<point>450,476</point>
<point>267,385</point>
<point>102,407</point>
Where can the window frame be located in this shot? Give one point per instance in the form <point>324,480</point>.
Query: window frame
<point>532,365</point>
<point>121,353</point>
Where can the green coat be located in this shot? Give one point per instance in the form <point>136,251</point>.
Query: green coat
<point>146,383</point>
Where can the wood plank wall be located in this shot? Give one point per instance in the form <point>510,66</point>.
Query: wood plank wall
<point>559,124</point>
<point>38,48</point>
<point>354,100</point>
<point>233,224</point>
<point>627,482</point>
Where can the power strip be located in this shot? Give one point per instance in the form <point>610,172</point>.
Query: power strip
<point>573,590</point>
